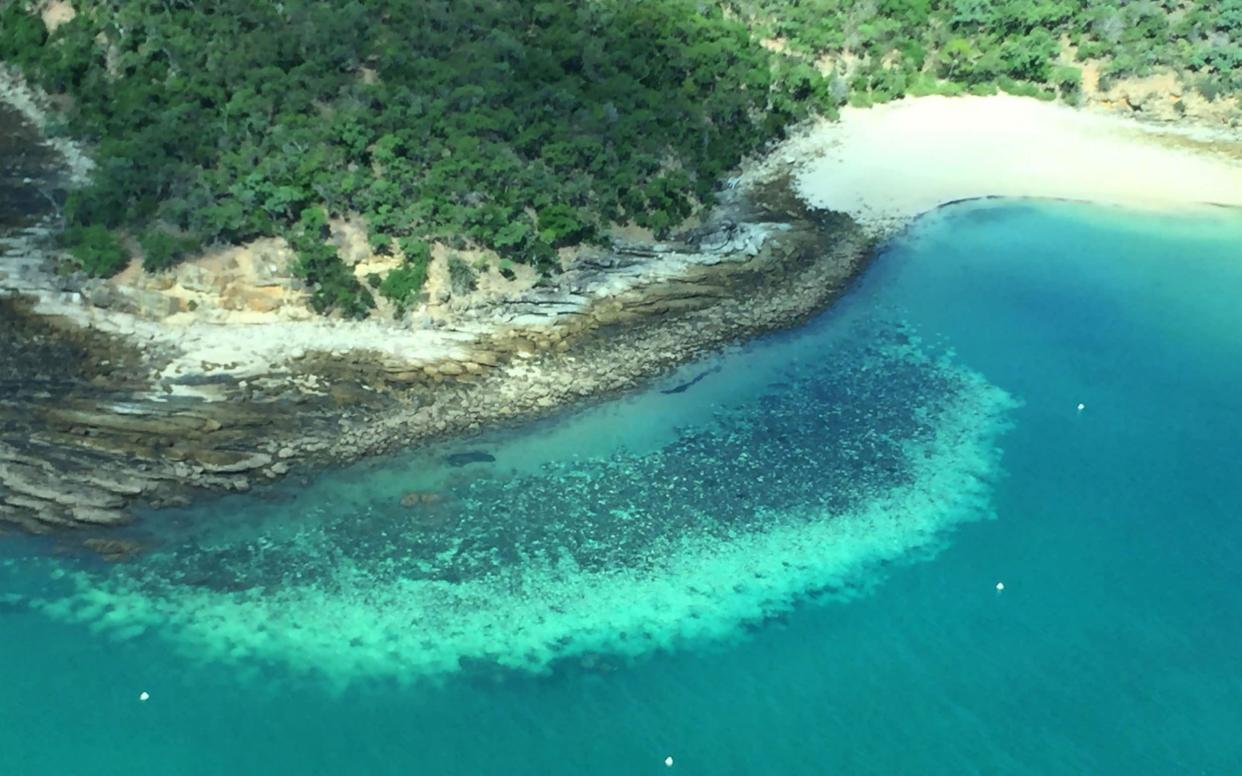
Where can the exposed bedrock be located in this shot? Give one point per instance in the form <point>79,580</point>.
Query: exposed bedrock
<point>92,424</point>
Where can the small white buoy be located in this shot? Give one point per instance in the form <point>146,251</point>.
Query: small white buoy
<point>1000,587</point>
<point>1081,406</point>
<point>669,761</point>
<point>144,696</point>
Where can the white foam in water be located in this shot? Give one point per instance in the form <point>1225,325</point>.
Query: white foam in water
<point>532,613</point>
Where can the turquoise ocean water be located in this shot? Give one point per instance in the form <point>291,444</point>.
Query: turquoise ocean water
<point>787,565</point>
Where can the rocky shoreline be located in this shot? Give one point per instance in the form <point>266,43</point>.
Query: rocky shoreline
<point>96,420</point>
<point>153,390</point>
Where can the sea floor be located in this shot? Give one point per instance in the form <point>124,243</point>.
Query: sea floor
<point>979,517</point>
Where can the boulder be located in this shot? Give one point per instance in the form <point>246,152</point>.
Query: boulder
<point>420,497</point>
<point>132,423</point>
<point>86,514</point>
<point>114,550</point>
<point>269,269</point>
<point>263,303</point>
<point>160,281</point>
<point>198,279</point>
<point>406,376</point>
<point>230,461</point>
<point>103,296</point>
<point>240,297</point>
<point>33,510</point>
<point>37,484</point>
<point>147,304</point>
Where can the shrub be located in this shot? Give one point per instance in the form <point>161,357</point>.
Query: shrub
<point>333,286</point>
<point>403,284</point>
<point>96,251</point>
<point>462,279</point>
<point>1068,81</point>
<point>161,250</point>
<point>924,85</point>
<point>230,120</point>
<point>1025,89</point>
<point>415,251</point>
<point>1210,87</point>
<point>24,33</point>
<point>228,123</point>
<point>561,225</point>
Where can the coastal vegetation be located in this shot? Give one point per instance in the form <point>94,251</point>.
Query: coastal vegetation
<point>881,50</point>
<point>510,127</point>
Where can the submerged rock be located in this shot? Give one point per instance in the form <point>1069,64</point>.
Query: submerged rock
<point>871,451</point>
<point>114,550</point>
<point>473,456</point>
<point>683,387</point>
<point>416,498</point>
<point>192,416</point>
<point>12,603</point>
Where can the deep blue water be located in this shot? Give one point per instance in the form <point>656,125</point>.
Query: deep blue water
<point>1115,646</point>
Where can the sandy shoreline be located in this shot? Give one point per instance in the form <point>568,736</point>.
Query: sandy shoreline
<point>886,165</point>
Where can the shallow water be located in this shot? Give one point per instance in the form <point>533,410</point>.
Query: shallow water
<point>627,588</point>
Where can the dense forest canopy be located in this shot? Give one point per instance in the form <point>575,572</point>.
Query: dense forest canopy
<point>888,48</point>
<point>511,125</point>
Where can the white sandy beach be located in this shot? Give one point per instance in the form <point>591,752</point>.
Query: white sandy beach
<point>887,164</point>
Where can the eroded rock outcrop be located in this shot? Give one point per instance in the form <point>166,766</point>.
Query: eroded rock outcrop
<point>117,394</point>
